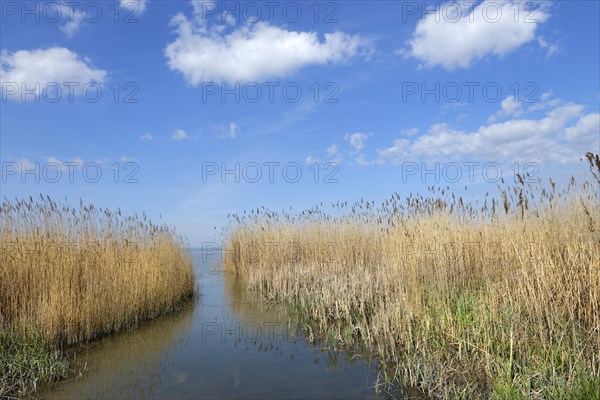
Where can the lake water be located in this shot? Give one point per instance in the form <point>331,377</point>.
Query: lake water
<point>227,344</point>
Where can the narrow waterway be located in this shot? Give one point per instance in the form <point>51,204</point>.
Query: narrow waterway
<point>226,344</point>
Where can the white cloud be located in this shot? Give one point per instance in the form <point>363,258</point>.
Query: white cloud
<point>180,134</point>
<point>21,165</point>
<point>547,101</point>
<point>254,51</point>
<point>73,19</point>
<point>204,8</point>
<point>136,6</point>
<point>457,38</point>
<point>77,161</point>
<point>509,108</point>
<point>362,161</point>
<point>585,131</point>
<point>561,136</point>
<point>551,48</point>
<point>33,69</point>
<point>332,150</point>
<point>233,130</point>
<point>409,132</point>
<point>146,137</point>
<point>73,162</point>
<point>311,160</point>
<point>551,131</point>
<point>228,132</point>
<point>357,140</point>
<point>66,165</point>
<point>56,162</point>
<point>396,153</point>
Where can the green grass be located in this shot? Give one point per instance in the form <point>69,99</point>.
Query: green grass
<point>586,389</point>
<point>26,362</point>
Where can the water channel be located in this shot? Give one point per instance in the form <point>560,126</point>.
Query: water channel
<point>226,344</point>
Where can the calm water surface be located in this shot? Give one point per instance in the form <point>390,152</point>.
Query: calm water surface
<point>227,344</point>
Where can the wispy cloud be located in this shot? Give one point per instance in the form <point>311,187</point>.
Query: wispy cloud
<point>73,19</point>
<point>311,160</point>
<point>409,131</point>
<point>550,47</point>
<point>180,134</point>
<point>229,132</point>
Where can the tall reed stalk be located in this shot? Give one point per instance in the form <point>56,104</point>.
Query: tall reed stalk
<point>498,298</point>
<point>71,274</point>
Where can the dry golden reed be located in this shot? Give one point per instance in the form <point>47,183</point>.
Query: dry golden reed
<point>72,274</point>
<point>498,298</point>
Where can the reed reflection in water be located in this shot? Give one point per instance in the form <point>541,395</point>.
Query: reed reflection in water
<point>229,343</point>
<point>128,365</point>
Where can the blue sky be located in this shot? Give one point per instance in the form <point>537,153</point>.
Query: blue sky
<point>388,90</point>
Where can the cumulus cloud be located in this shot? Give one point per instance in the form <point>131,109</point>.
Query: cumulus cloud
<point>357,140</point>
<point>34,69</point>
<point>395,153</point>
<point>456,35</point>
<point>561,136</point>
<point>551,131</point>
<point>509,108</point>
<point>587,130</point>
<point>146,137</point>
<point>253,52</point>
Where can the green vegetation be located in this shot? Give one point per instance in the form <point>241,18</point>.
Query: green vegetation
<point>26,362</point>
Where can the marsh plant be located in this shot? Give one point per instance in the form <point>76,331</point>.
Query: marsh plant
<point>493,298</point>
<point>68,275</point>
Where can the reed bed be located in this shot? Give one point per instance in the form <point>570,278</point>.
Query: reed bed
<point>498,298</point>
<point>69,275</point>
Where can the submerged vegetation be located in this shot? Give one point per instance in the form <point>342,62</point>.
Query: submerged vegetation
<point>498,298</point>
<point>68,275</point>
